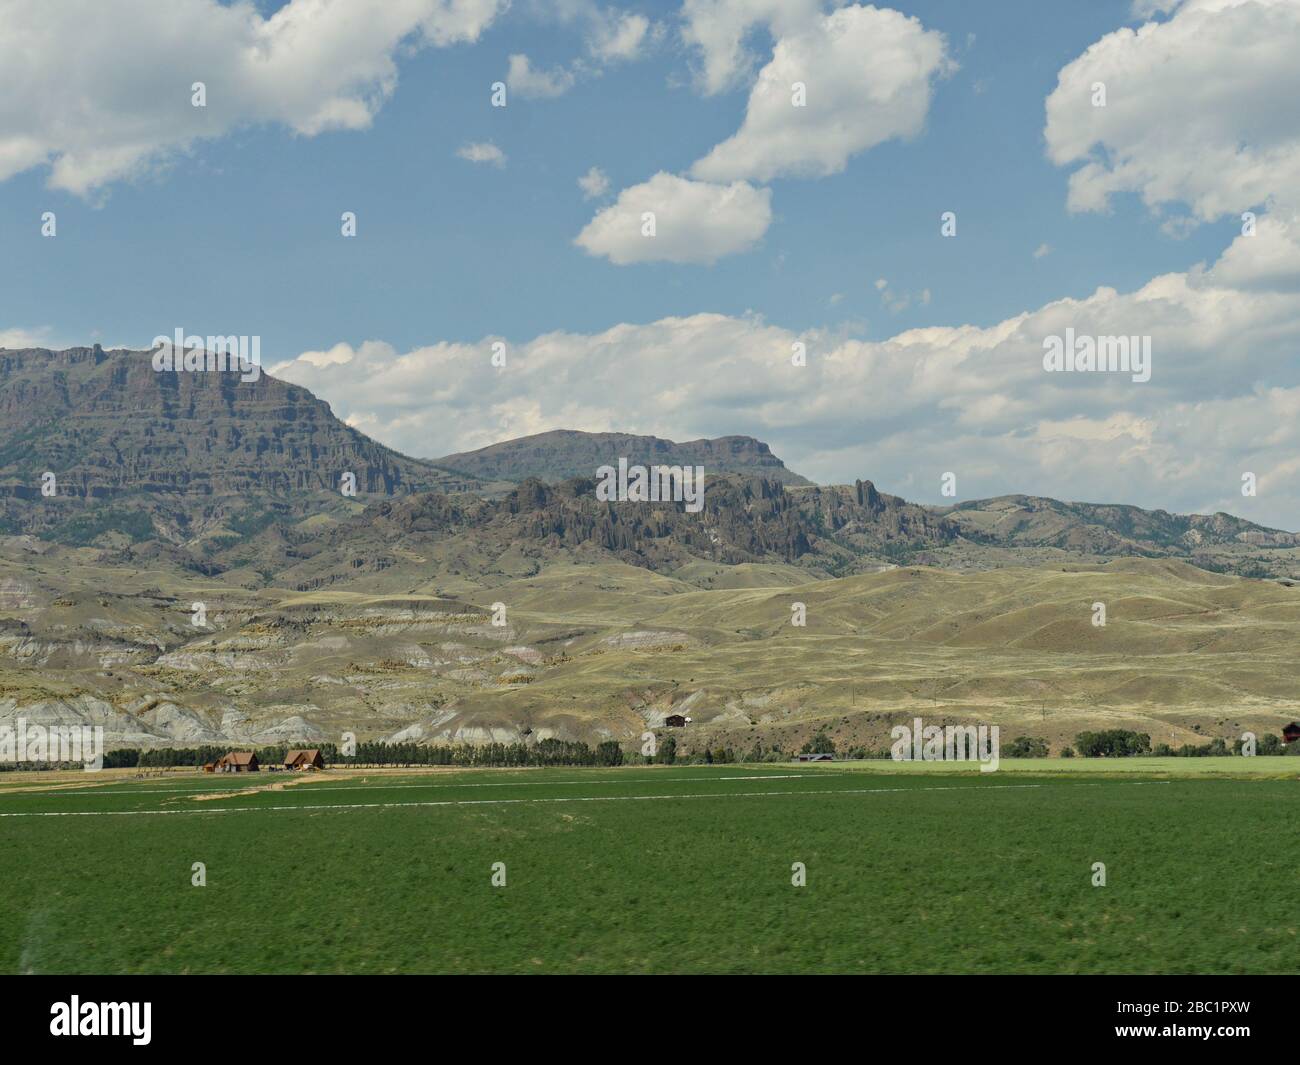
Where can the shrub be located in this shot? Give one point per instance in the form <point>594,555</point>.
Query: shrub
<point>1113,743</point>
<point>1026,747</point>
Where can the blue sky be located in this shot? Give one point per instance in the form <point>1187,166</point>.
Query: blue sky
<point>243,234</point>
<point>925,351</point>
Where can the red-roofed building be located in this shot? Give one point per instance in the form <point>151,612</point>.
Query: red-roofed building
<point>305,759</point>
<point>237,762</point>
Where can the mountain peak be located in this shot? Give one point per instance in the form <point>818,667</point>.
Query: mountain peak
<point>560,454</point>
<point>107,424</point>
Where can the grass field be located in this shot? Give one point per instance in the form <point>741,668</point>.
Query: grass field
<point>664,870</point>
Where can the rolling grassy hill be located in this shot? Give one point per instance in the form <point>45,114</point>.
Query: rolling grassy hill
<point>607,650</point>
<point>377,613</point>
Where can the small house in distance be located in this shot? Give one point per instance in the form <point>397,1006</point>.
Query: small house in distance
<point>306,759</point>
<point>822,757</point>
<point>675,721</point>
<point>237,762</point>
<point>1291,732</point>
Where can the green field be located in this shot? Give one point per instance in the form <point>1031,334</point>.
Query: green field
<point>660,870</point>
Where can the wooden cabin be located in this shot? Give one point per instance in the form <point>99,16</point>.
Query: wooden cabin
<point>305,759</point>
<point>237,762</point>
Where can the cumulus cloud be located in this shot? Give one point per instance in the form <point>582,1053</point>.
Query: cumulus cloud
<point>863,76</point>
<point>717,32</point>
<point>100,92</point>
<point>1223,399</point>
<point>694,222</point>
<point>1198,109</point>
<point>482,152</point>
<point>867,76</point>
<point>1268,260</point>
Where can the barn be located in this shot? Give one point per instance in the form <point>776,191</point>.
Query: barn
<point>675,721</point>
<point>237,762</point>
<point>305,759</point>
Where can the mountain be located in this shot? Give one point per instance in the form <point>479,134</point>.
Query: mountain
<point>465,540</point>
<point>186,447</point>
<point>566,453</point>
<point>461,543</point>
<point>377,613</point>
<point>1035,521</point>
<point>205,472</point>
<point>841,524</point>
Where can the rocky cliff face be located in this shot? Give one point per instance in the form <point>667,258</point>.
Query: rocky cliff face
<point>744,519</point>
<point>566,453</point>
<point>108,425</point>
<point>215,474</point>
<point>1109,529</point>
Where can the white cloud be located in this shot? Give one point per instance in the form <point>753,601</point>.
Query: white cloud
<point>619,37</point>
<point>528,81</point>
<point>1223,399</point>
<point>717,30</point>
<point>18,338</point>
<point>695,222</point>
<point>1042,251</point>
<point>867,74</point>
<point>335,356</point>
<point>1268,260</point>
<point>100,92</point>
<point>610,37</point>
<point>594,183</point>
<point>531,82</point>
<point>1147,8</point>
<point>1199,110</point>
<point>482,152</point>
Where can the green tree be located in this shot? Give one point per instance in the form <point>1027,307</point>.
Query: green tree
<point>821,743</point>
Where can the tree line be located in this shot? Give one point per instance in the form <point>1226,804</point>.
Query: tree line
<point>1108,743</point>
<point>548,752</point>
